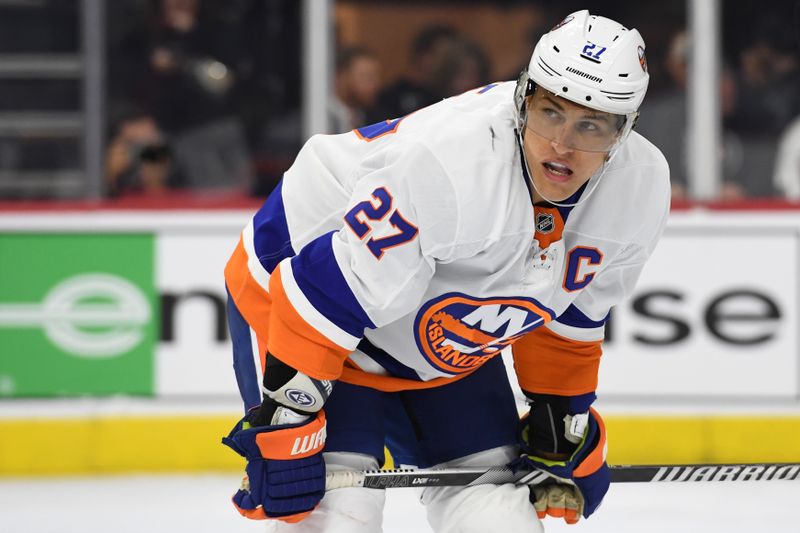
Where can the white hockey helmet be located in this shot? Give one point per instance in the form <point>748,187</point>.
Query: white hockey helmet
<point>592,61</point>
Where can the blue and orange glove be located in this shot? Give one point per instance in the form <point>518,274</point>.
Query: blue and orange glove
<point>285,470</point>
<point>580,481</point>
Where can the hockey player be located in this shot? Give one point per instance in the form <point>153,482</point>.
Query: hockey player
<point>371,295</point>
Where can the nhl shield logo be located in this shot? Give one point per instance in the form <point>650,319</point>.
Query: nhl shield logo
<point>545,223</point>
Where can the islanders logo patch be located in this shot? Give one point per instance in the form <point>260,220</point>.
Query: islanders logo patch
<point>458,333</point>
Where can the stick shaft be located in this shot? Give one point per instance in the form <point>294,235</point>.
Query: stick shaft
<point>456,477</point>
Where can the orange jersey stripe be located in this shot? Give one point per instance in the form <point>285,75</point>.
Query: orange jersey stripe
<point>355,376</point>
<point>295,342</point>
<point>277,324</point>
<point>253,302</point>
<point>548,363</point>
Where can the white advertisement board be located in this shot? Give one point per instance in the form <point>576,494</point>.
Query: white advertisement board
<point>194,355</point>
<point>713,315</point>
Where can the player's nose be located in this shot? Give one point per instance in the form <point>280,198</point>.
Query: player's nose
<point>561,141</point>
<point>561,147</point>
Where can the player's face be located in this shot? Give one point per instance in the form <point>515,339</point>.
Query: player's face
<point>565,144</point>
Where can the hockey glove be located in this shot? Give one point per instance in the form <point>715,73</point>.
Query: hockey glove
<point>285,471</point>
<point>580,481</point>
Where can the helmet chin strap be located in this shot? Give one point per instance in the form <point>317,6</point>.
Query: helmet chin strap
<point>595,177</point>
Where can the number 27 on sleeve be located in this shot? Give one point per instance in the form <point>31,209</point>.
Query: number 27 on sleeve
<point>359,217</point>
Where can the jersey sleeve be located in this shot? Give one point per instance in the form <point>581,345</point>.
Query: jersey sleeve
<point>371,266</point>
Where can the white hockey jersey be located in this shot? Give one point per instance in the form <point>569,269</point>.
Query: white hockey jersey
<point>407,253</point>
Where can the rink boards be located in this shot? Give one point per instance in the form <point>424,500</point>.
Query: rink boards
<point>130,306</point>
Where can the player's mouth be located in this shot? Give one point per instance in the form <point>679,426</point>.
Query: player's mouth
<point>557,171</point>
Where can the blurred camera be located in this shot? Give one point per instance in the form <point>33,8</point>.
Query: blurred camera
<point>155,153</point>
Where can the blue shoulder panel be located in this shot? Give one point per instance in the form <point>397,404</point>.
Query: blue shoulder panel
<point>271,232</point>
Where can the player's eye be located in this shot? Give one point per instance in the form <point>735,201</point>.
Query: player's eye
<point>588,126</point>
<point>551,114</point>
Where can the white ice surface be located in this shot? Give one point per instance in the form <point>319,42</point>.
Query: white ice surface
<point>200,504</point>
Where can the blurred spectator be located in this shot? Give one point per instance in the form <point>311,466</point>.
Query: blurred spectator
<point>768,98</point>
<point>464,66</point>
<point>181,67</point>
<point>419,87</point>
<point>787,164</point>
<point>138,159</point>
<point>357,85</point>
<point>664,122</point>
<point>663,118</point>
<point>769,79</point>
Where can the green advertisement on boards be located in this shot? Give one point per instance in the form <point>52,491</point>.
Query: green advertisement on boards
<point>77,314</point>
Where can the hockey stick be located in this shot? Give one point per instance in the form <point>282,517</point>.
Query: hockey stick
<point>452,477</point>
